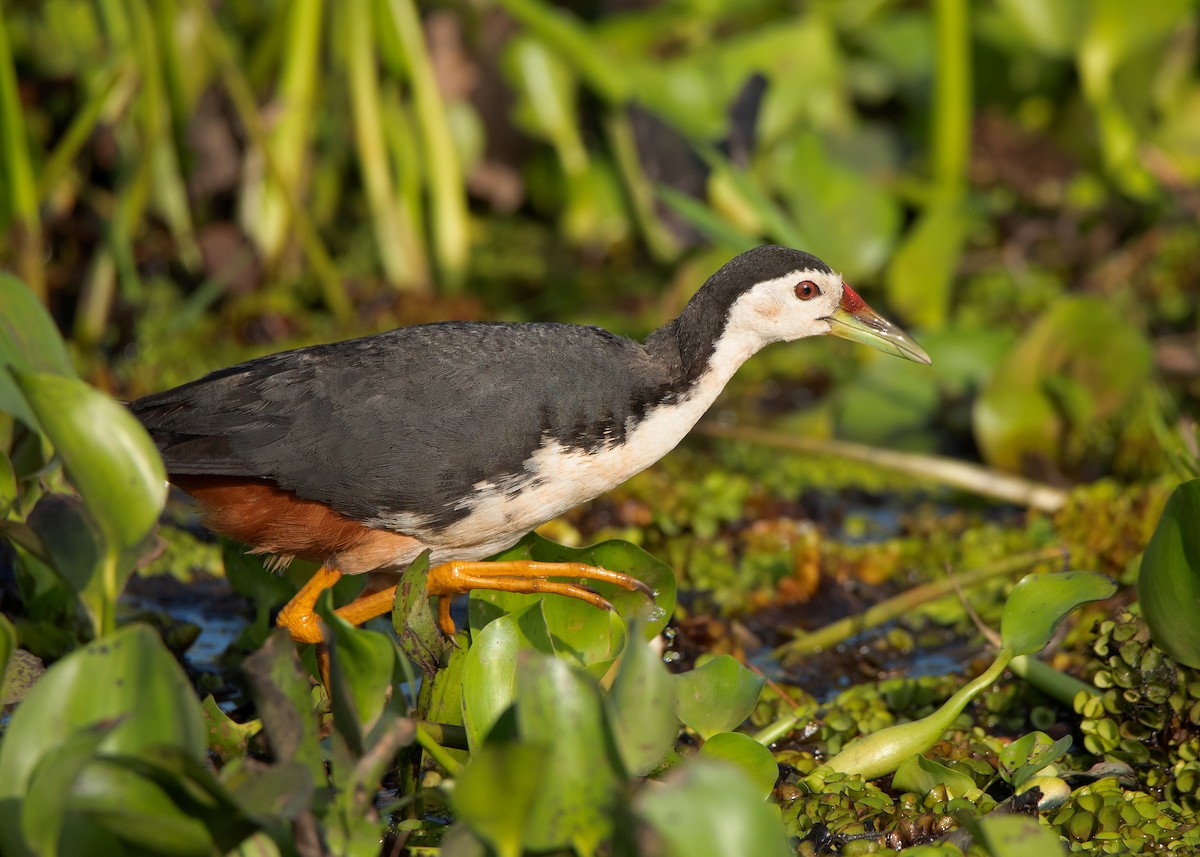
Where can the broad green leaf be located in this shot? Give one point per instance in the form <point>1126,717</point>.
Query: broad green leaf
<point>753,758</point>
<point>588,635</point>
<point>281,695</point>
<point>446,691</point>
<point>490,670</point>
<point>1040,601</point>
<point>1055,28</point>
<point>642,699</point>
<point>47,799</point>
<point>716,697</point>
<point>138,811</point>
<point>8,480</point>
<point>708,808</point>
<point>1016,836</point>
<point>1029,754</point>
<point>129,678</point>
<point>29,341</point>
<point>922,270</point>
<point>563,707</point>
<point>1168,584</point>
<point>362,664</point>
<point>118,471</point>
<point>496,792</point>
<point>919,775</point>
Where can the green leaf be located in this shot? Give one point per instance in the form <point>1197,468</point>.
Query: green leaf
<point>590,636</point>
<point>413,620</point>
<point>282,696</point>
<point>490,670</point>
<point>642,699</point>
<point>1168,584</point>
<point>361,666</point>
<point>29,341</point>
<point>922,271</point>
<point>1081,362</point>
<point>753,758</point>
<point>118,471</point>
<point>227,738</point>
<point>496,792</point>
<point>8,645</point>
<point>920,775</point>
<point>708,808</point>
<point>562,706</point>
<point>47,799</point>
<point>1029,754</point>
<point>74,547</point>
<point>129,679</point>
<point>716,697</point>
<point>1015,836</point>
<point>1040,601</point>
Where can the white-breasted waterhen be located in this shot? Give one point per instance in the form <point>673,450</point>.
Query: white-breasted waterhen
<point>460,438</point>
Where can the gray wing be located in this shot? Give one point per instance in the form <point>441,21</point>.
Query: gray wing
<point>407,421</point>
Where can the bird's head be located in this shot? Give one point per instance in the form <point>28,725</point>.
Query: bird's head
<point>775,294</point>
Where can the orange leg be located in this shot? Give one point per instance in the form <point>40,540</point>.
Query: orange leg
<point>446,580</point>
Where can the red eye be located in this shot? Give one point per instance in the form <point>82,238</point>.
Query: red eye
<point>807,290</point>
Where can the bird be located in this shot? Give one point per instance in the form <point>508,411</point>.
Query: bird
<point>459,438</point>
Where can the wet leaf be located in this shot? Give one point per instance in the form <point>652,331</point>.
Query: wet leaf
<point>118,471</point>
<point>496,791</point>
<point>708,808</point>
<point>755,760</point>
<point>920,775</point>
<point>1168,584</point>
<point>30,342</point>
<point>716,697</point>
<point>562,706</point>
<point>1040,601</point>
<point>642,698</point>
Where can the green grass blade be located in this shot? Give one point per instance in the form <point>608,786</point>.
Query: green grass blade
<point>21,218</point>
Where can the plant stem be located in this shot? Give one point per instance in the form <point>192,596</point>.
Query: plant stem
<point>952,98</point>
<point>893,608</point>
<point>436,751</point>
<point>1057,685</point>
<point>17,169</point>
<point>946,471</point>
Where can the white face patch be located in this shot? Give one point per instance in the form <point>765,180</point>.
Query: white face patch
<point>557,478</point>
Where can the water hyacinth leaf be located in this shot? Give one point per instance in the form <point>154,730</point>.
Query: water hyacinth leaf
<point>708,808</point>
<point>74,548</point>
<point>1016,836</point>
<point>129,679</point>
<point>753,758</point>
<point>920,775</point>
<point>30,342</point>
<point>589,635</point>
<point>361,666</point>
<point>1040,601</point>
<point>490,670</point>
<point>413,620</point>
<point>562,706</point>
<point>227,738</point>
<point>53,780</point>
<point>716,697</point>
<point>281,695</point>
<point>495,792</point>
<point>1029,754</point>
<point>923,268</point>
<point>642,698</point>
<point>1168,584</point>
<point>118,471</point>
<point>8,645</point>
<point>1080,363</point>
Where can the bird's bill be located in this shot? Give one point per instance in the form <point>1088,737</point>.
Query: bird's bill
<point>856,321</point>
